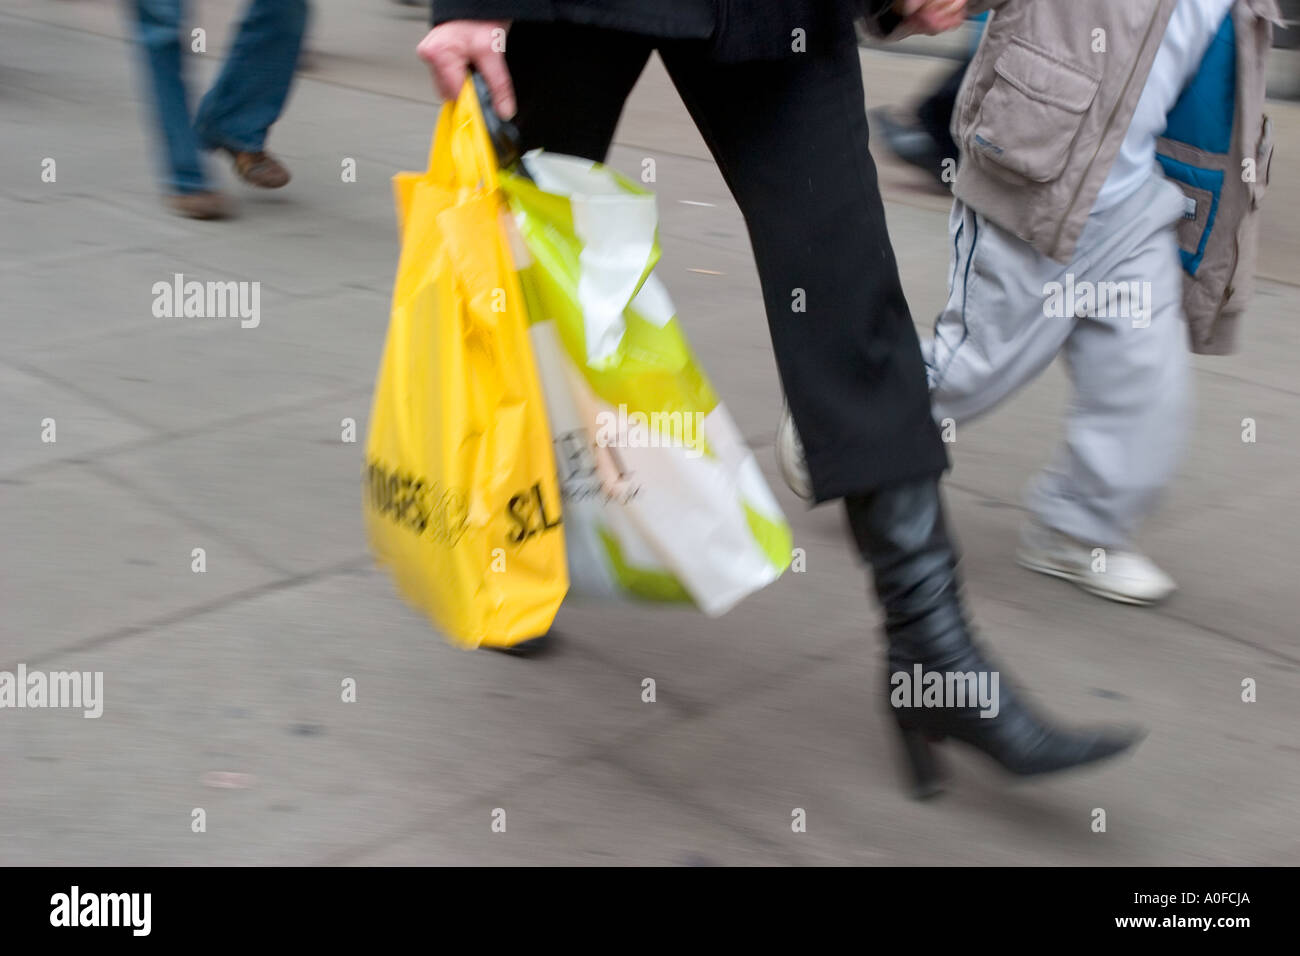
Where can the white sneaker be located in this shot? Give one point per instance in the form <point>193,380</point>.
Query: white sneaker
<point>1124,576</point>
<point>789,457</point>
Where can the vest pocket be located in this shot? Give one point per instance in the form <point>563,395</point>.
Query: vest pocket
<point>1207,180</point>
<point>1031,115</point>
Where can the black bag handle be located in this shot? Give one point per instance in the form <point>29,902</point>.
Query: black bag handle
<point>503,133</point>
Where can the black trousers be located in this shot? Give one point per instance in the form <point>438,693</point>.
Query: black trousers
<point>790,138</point>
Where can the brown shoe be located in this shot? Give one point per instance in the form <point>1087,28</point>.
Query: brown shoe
<point>260,169</point>
<point>201,205</point>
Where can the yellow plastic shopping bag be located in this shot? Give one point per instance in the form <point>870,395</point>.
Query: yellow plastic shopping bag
<point>461,500</point>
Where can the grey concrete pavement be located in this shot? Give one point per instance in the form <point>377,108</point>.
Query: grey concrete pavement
<point>175,434</point>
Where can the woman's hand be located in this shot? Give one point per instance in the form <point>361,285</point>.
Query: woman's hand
<point>453,47</point>
<point>930,16</point>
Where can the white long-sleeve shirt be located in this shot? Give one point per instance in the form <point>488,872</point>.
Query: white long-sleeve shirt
<point>1191,28</point>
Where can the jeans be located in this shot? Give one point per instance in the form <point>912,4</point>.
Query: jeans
<point>247,97</point>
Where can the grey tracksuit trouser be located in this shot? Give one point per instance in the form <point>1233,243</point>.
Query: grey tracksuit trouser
<point>1115,314</point>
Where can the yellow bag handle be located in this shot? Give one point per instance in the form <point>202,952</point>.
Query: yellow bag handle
<point>461,155</point>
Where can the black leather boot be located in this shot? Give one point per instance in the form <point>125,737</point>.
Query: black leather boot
<point>900,530</point>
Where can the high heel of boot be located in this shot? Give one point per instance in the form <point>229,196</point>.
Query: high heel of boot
<point>1020,741</point>
<point>920,754</point>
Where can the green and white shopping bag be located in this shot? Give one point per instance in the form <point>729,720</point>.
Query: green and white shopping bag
<point>662,499</point>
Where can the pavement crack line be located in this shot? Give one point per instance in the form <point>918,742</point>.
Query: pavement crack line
<point>156,437</point>
<point>172,511</point>
<point>596,755</point>
<point>95,401</point>
<point>609,753</point>
<point>181,615</point>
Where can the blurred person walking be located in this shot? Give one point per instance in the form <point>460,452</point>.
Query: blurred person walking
<point>924,139</point>
<point>775,88</point>
<point>1071,235</point>
<point>235,114</point>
